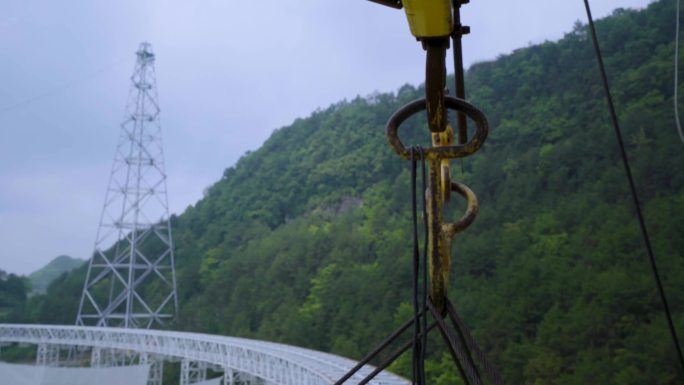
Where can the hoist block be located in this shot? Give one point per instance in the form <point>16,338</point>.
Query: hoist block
<point>429,18</point>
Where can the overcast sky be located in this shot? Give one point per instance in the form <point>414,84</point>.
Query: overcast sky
<point>228,74</point>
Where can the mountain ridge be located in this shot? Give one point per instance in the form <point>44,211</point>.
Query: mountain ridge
<point>551,277</point>
<point>41,278</point>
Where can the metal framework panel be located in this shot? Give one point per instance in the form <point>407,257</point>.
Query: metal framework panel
<point>133,246</point>
<point>47,355</point>
<point>156,368</point>
<point>267,362</point>
<point>18,374</point>
<point>192,372</point>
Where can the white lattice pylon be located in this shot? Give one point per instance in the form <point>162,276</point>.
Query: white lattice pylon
<point>133,246</point>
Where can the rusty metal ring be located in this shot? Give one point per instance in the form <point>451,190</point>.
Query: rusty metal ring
<point>447,152</point>
<point>471,212</point>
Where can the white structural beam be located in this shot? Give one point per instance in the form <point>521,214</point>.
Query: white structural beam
<point>228,378</point>
<point>47,355</point>
<point>192,372</point>
<point>274,363</point>
<point>156,368</point>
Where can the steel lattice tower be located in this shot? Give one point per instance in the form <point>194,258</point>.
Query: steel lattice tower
<point>131,280</point>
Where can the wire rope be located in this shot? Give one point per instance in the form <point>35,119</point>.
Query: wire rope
<point>58,89</point>
<point>676,76</point>
<point>630,179</point>
<point>420,324</point>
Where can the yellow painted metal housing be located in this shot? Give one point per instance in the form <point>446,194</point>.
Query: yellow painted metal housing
<point>429,18</point>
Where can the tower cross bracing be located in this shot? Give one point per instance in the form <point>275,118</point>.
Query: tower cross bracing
<point>131,279</point>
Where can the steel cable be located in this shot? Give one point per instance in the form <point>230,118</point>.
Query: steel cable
<point>630,179</point>
<point>676,77</point>
<point>419,336</point>
<point>425,266</point>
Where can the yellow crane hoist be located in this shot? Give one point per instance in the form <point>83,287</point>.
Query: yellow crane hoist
<point>429,18</point>
<point>426,18</point>
<point>437,23</point>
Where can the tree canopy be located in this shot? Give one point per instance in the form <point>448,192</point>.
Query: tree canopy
<point>307,239</point>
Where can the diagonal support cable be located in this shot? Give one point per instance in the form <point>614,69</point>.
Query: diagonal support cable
<point>632,188</point>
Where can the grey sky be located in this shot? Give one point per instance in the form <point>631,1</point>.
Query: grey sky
<point>228,73</point>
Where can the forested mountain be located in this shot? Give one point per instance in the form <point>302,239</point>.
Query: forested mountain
<point>41,278</point>
<point>13,295</point>
<point>307,240</point>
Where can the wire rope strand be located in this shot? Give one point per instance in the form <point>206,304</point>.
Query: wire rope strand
<point>419,307</point>
<point>425,268</point>
<point>632,187</point>
<point>414,277</point>
<point>676,76</point>
<point>57,90</point>
<point>417,348</point>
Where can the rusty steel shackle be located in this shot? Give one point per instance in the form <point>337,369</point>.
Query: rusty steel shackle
<point>433,153</point>
<point>439,187</point>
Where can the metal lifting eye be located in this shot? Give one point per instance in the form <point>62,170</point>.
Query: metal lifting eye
<point>471,212</point>
<point>446,152</point>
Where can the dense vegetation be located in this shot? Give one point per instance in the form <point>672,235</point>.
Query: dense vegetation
<point>306,240</point>
<point>13,296</point>
<point>41,278</point>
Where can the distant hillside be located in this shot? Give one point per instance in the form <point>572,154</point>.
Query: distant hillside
<point>12,297</point>
<point>40,279</point>
<point>307,239</point>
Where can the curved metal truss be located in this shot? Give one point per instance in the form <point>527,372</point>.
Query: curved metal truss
<point>274,363</point>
